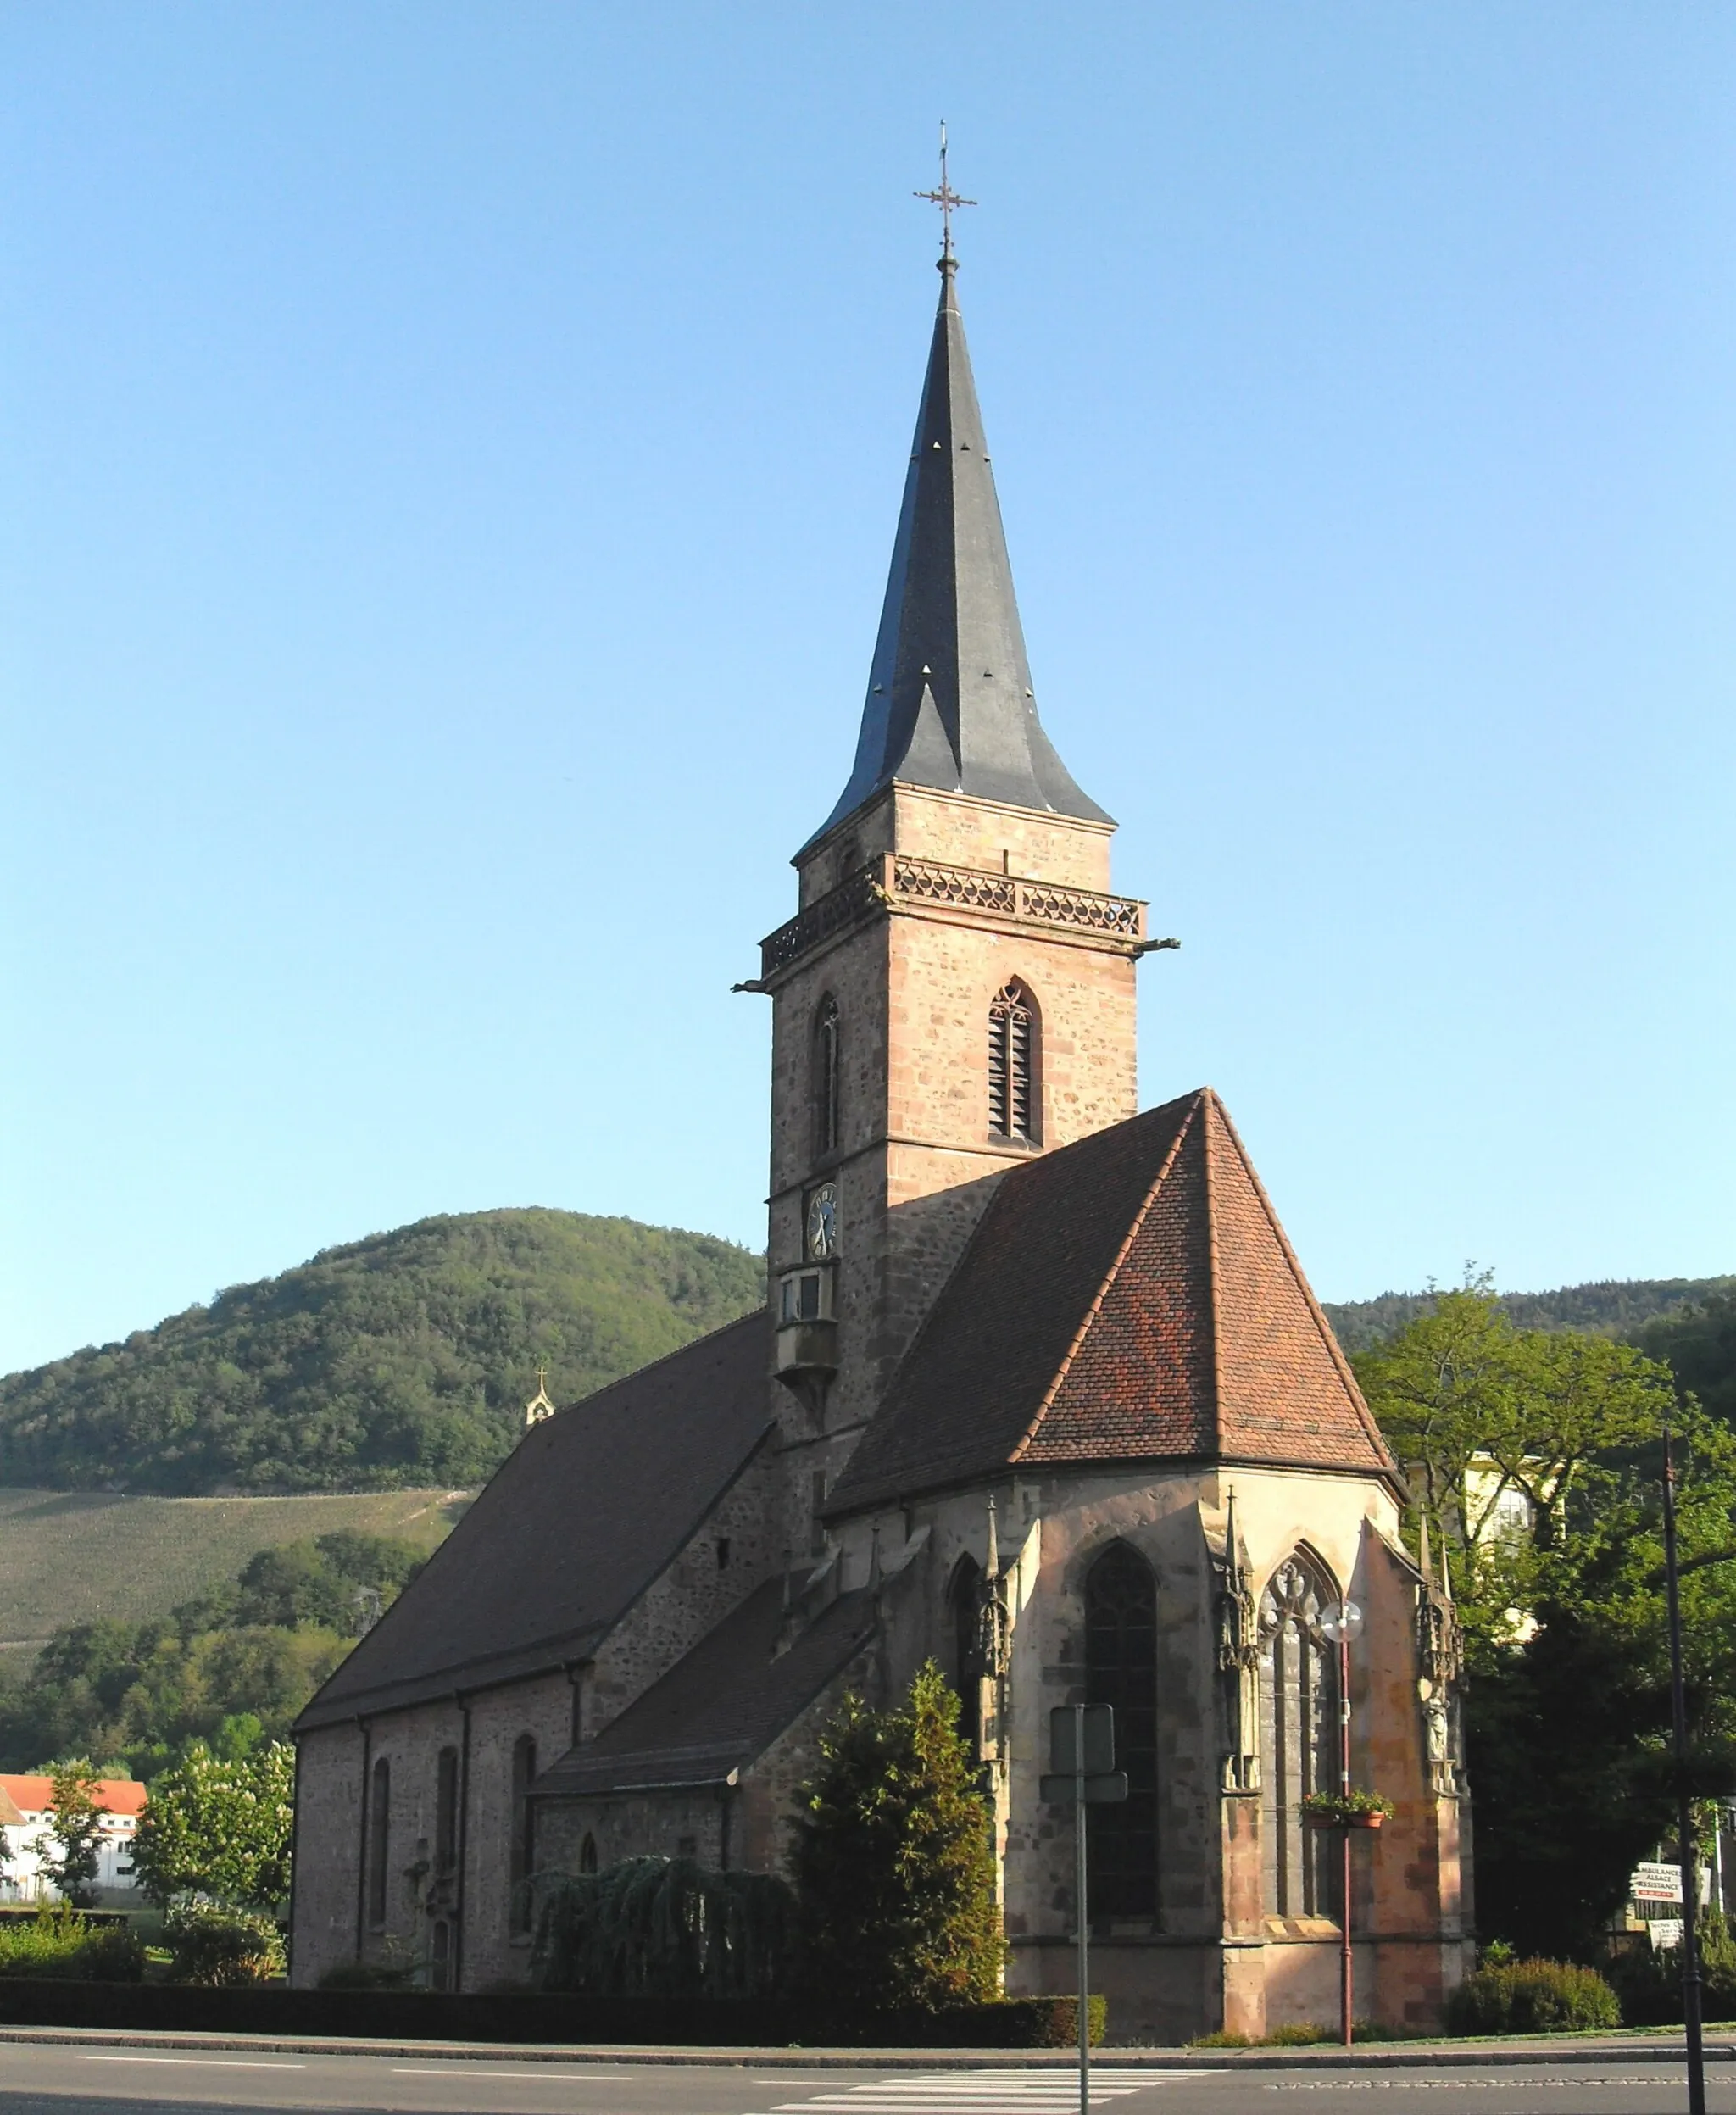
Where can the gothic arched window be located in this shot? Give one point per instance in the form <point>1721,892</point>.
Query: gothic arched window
<point>965,1604</point>
<point>521,1854</point>
<point>588,1853</point>
<point>1012,1064</point>
<point>1121,1669</point>
<point>828,1077</point>
<point>1298,1714</point>
<point>379,1841</point>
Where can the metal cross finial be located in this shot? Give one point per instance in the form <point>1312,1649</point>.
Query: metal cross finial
<point>946,198</point>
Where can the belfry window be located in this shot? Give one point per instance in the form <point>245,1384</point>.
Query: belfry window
<point>828,1079</point>
<point>1121,1670</point>
<point>1299,1712</point>
<point>1012,1064</point>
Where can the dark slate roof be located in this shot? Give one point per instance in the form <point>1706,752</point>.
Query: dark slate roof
<point>721,1707</point>
<point>582,1516</point>
<point>949,698</point>
<point>1129,1298</point>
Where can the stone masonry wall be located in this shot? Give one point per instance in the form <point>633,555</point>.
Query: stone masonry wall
<point>691,1595</point>
<point>1210,1957</point>
<point>328,1829</point>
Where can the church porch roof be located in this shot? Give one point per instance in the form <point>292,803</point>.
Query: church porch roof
<point>1129,1298</point>
<point>719,1708</point>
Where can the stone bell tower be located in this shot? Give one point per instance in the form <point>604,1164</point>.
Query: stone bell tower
<point>955,994</point>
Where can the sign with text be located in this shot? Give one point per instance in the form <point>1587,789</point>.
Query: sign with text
<point>1657,1884</point>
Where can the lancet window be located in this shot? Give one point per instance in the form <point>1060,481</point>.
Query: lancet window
<point>964,1600</point>
<point>521,1859</point>
<point>1121,1670</point>
<point>379,1839</point>
<point>1298,1727</point>
<point>828,1077</point>
<point>446,1796</point>
<point>1012,1064</point>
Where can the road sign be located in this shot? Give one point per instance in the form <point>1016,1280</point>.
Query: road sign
<point>1066,1722</point>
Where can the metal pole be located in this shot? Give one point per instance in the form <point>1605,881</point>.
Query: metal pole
<point>1346,1964</point>
<point>1684,1816</point>
<point>1080,1911</point>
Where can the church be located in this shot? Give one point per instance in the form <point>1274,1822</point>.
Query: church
<point>1039,1391</point>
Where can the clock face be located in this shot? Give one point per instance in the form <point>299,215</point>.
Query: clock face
<point>822,1220</point>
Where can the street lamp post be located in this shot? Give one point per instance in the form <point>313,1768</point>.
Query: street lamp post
<point>1340,1625</point>
<point>1684,1811</point>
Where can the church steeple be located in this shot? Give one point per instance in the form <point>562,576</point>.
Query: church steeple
<point>950,704</point>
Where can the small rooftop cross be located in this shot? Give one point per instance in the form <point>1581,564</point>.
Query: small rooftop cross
<point>946,198</point>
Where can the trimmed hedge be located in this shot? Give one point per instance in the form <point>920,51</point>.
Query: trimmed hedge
<point>1530,1997</point>
<point>1018,2022</point>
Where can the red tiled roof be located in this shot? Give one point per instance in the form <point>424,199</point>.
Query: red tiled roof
<point>114,1795</point>
<point>1131,1297</point>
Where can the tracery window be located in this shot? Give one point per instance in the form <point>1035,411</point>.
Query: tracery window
<point>521,1858</point>
<point>379,1839</point>
<point>964,1600</point>
<point>1121,1670</point>
<point>828,1078</point>
<point>1298,1728</point>
<point>1012,1064</point>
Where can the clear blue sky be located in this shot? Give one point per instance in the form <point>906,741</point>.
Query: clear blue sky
<point>451,455</point>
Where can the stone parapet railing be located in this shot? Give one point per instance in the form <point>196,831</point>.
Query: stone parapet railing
<point>886,882</point>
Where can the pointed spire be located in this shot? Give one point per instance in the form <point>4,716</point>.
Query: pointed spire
<point>991,1569</point>
<point>1423,1544</point>
<point>1232,1556</point>
<point>950,699</point>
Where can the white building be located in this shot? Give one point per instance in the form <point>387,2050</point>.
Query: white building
<point>25,1821</point>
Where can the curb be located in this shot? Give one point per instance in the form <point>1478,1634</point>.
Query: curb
<point>1542,2050</point>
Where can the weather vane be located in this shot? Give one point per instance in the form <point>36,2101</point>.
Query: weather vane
<point>946,198</point>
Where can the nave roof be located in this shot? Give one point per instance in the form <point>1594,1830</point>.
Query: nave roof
<point>574,1525</point>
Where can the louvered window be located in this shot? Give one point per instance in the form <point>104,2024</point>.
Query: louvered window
<point>1012,1054</point>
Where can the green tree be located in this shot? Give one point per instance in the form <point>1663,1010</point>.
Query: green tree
<point>1698,1344</point>
<point>75,1801</point>
<point>1534,1405</point>
<point>1568,1709</point>
<point>220,1827</point>
<point>894,1865</point>
<point>404,1359</point>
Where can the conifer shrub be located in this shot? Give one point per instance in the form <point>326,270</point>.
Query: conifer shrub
<point>1530,1997</point>
<point>894,1862</point>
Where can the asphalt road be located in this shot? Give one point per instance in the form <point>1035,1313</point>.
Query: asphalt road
<point>56,2079</point>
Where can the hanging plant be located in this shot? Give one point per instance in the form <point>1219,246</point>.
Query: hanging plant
<point>1355,1808</point>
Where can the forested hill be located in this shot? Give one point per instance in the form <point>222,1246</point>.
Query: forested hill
<point>406,1359</point>
<point>1614,1308</point>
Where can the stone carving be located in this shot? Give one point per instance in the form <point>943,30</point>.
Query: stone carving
<point>1440,1678</point>
<point>882,881</point>
<point>1238,1665</point>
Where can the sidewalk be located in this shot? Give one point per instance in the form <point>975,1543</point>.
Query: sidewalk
<point>1660,2046</point>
